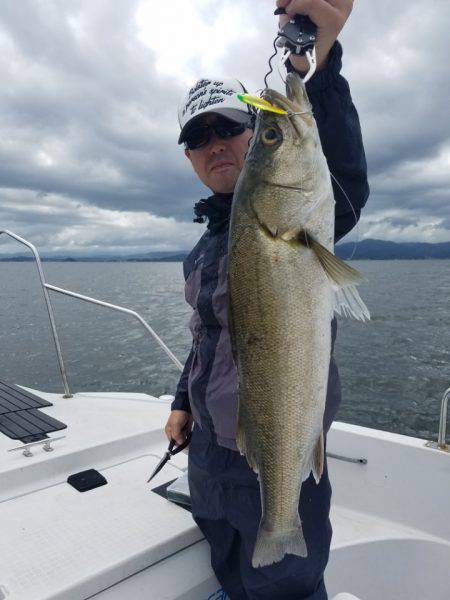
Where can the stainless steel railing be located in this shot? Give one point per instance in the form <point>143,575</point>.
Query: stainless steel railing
<point>441,443</point>
<point>47,286</point>
<point>127,311</point>
<point>443,420</point>
<point>48,304</point>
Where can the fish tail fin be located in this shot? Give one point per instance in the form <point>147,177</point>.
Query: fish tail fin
<point>271,546</point>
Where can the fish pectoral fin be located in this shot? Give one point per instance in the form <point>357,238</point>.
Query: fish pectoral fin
<point>340,273</point>
<point>347,301</point>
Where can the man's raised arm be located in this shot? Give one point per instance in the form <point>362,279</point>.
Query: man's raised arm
<point>333,108</point>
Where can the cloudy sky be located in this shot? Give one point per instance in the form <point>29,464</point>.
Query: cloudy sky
<point>89,160</point>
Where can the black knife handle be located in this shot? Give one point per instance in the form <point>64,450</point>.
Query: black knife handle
<point>173,449</point>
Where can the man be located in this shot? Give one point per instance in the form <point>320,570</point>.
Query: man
<point>216,130</point>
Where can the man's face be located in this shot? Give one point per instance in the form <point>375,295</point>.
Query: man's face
<point>219,162</point>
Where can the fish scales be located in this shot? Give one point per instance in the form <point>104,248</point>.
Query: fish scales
<point>280,308</point>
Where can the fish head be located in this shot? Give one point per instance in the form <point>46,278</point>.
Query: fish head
<point>275,146</point>
<point>285,151</point>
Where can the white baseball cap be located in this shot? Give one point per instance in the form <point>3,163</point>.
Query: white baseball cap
<point>213,96</point>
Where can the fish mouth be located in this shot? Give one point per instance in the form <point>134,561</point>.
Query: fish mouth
<point>299,112</point>
<point>281,101</point>
<point>296,98</point>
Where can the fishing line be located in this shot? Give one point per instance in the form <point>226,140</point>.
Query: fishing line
<point>271,70</point>
<point>299,189</point>
<point>270,60</point>
<point>282,63</point>
<point>354,213</point>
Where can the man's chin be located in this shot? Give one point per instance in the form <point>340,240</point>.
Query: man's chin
<point>223,183</point>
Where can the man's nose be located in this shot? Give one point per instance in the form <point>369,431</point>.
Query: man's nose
<point>216,145</point>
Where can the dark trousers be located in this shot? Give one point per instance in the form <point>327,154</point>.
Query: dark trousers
<point>226,506</point>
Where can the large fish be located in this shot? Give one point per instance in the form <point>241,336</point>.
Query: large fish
<point>284,283</point>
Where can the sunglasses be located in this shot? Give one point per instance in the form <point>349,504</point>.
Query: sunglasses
<point>200,136</point>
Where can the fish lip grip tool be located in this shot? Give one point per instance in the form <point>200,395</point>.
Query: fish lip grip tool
<point>298,36</point>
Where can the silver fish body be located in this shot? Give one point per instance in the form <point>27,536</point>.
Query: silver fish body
<point>280,309</point>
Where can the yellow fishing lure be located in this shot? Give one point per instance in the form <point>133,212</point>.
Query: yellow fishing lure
<point>260,103</point>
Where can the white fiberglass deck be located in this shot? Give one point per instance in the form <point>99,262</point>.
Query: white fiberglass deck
<point>58,542</point>
<point>391,516</point>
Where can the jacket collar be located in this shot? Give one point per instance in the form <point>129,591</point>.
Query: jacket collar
<point>216,208</point>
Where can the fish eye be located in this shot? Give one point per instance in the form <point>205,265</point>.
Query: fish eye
<point>270,136</point>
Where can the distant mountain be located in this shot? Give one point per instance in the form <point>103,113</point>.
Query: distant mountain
<point>172,256</point>
<point>159,257</point>
<point>176,256</point>
<point>383,250</point>
<point>364,250</point>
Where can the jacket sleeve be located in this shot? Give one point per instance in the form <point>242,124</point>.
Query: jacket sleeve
<point>181,401</point>
<point>340,135</point>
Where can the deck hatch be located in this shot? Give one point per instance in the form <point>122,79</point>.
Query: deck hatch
<point>86,480</point>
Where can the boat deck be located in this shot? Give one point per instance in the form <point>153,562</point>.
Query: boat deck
<point>62,544</point>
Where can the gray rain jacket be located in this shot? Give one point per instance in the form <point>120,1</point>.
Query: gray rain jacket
<point>208,384</point>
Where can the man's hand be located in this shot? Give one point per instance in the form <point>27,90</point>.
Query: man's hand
<point>178,425</point>
<point>329,16</point>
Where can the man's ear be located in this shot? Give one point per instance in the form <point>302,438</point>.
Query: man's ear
<point>187,153</point>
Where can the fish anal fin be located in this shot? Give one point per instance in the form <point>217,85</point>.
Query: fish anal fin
<point>315,461</point>
<point>318,458</point>
<point>245,448</point>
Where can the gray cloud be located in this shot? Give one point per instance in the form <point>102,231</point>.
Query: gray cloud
<point>401,85</point>
<point>88,120</point>
<point>86,117</point>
